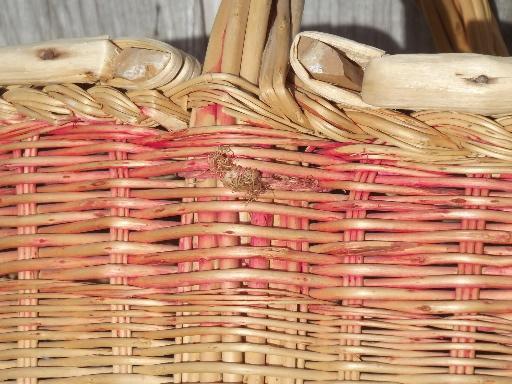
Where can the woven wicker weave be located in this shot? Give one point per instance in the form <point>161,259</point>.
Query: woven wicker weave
<point>279,239</point>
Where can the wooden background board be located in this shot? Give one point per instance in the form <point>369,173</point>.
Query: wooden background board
<point>177,21</point>
<point>393,25</point>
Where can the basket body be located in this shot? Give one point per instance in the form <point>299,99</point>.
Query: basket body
<point>124,254</point>
<point>248,247</point>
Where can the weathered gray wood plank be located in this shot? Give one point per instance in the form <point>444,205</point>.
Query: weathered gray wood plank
<point>393,25</point>
<point>182,24</point>
<point>504,14</point>
<point>178,22</point>
<point>24,21</point>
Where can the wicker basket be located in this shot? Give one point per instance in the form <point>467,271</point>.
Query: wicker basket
<point>281,238</point>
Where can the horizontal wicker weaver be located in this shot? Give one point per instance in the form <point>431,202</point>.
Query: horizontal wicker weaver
<point>279,239</point>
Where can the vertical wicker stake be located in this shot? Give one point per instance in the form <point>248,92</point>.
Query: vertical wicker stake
<point>120,234</point>
<point>466,26</point>
<point>236,47</point>
<point>25,253</point>
<point>224,54</point>
<point>255,38</point>
<point>272,80</point>
<point>254,42</point>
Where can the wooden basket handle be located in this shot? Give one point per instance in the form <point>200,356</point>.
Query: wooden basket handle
<point>132,64</point>
<point>461,82</point>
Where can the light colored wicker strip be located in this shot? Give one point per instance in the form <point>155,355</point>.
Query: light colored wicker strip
<point>418,140</point>
<point>26,253</point>
<point>57,104</point>
<point>359,53</point>
<point>394,135</point>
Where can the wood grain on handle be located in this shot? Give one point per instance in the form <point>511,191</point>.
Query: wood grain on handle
<point>57,62</point>
<point>461,82</point>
